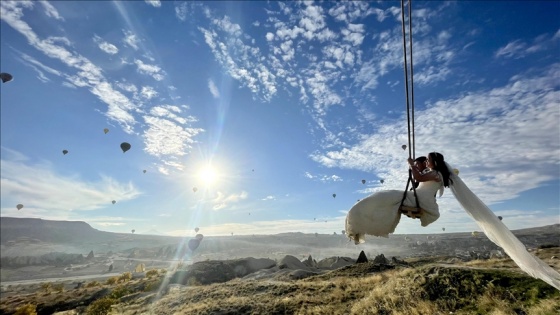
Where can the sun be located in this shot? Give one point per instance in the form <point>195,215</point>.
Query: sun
<point>208,175</point>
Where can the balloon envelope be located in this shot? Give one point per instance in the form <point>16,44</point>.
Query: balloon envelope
<point>199,237</point>
<point>381,181</point>
<point>113,201</point>
<point>105,130</point>
<point>6,77</point>
<point>500,217</point>
<point>64,152</point>
<point>194,189</point>
<point>456,171</point>
<point>403,146</point>
<point>125,146</point>
<point>363,181</point>
<point>133,231</point>
<point>196,229</point>
<point>334,195</point>
<point>144,171</point>
<point>193,244</point>
<point>19,206</point>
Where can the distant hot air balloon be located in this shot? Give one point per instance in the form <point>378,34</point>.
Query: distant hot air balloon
<point>200,237</point>
<point>443,229</point>
<point>381,181</point>
<point>343,232</point>
<point>194,189</point>
<point>363,181</point>
<point>125,146</point>
<point>113,201</point>
<point>474,233</point>
<point>196,229</point>
<point>193,244</point>
<point>6,77</point>
<point>334,195</point>
<point>64,152</point>
<point>403,146</point>
<point>105,130</point>
<point>144,171</point>
<point>19,206</point>
<point>500,217</point>
<point>133,231</point>
<point>456,171</point>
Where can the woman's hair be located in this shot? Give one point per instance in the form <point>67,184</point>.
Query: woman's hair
<point>421,159</point>
<point>439,165</point>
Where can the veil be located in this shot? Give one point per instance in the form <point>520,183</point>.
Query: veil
<point>498,233</point>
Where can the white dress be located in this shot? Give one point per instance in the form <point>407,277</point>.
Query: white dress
<point>378,214</point>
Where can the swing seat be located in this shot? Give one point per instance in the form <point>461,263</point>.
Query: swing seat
<point>411,212</point>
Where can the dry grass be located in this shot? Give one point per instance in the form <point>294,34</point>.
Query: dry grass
<point>429,286</point>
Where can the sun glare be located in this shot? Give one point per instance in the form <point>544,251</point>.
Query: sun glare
<point>208,175</point>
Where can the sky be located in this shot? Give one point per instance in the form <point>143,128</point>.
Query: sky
<point>247,117</point>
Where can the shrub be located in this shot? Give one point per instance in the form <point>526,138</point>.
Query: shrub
<point>27,309</point>
<point>92,284</point>
<point>59,287</point>
<point>101,306</point>
<point>127,276</point>
<point>119,292</point>
<point>112,280</point>
<point>47,287</point>
<point>151,273</point>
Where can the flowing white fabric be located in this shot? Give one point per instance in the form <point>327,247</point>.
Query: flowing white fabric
<point>498,233</point>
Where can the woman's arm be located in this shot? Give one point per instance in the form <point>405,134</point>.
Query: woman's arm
<point>422,177</point>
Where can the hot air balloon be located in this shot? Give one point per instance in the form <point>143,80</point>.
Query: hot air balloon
<point>64,152</point>
<point>105,130</point>
<point>381,181</point>
<point>193,244</point>
<point>334,195</point>
<point>144,171</point>
<point>196,229</point>
<point>19,206</point>
<point>363,181</point>
<point>6,77</point>
<point>456,171</point>
<point>133,231</point>
<point>194,189</point>
<point>474,233</point>
<point>113,201</point>
<point>403,146</point>
<point>443,229</point>
<point>125,146</point>
<point>200,237</point>
<point>500,217</point>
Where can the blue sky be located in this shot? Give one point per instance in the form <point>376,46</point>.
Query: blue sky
<point>288,102</point>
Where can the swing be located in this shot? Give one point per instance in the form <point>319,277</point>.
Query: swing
<point>411,212</point>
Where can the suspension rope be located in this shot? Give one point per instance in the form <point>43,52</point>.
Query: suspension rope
<point>409,106</point>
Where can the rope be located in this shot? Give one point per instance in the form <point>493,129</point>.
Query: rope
<point>409,109</point>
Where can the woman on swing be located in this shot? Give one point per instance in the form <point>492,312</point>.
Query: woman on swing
<point>378,214</point>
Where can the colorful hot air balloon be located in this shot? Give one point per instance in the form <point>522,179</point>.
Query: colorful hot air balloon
<point>474,233</point>
<point>113,201</point>
<point>64,152</point>
<point>456,171</point>
<point>403,146</point>
<point>125,146</point>
<point>6,77</point>
<point>363,181</point>
<point>105,130</point>
<point>19,206</point>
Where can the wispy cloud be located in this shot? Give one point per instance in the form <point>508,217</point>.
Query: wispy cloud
<point>41,189</point>
<point>131,39</point>
<point>519,49</point>
<point>154,3</point>
<point>156,72</point>
<point>222,201</point>
<point>213,88</point>
<point>50,10</point>
<point>105,46</point>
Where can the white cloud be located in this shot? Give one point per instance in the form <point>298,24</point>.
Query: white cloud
<point>222,201</point>
<point>40,188</point>
<point>154,3</point>
<point>152,70</point>
<point>130,39</point>
<point>513,49</point>
<point>105,46</point>
<point>148,92</point>
<point>213,88</point>
<point>51,11</point>
<point>181,11</point>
